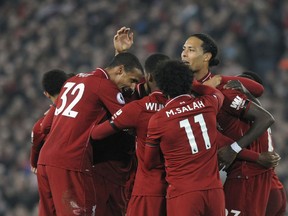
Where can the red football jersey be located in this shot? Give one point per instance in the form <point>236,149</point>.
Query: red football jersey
<point>48,119</point>
<point>37,141</point>
<point>136,115</point>
<point>231,124</point>
<point>252,86</point>
<point>186,132</point>
<point>83,101</point>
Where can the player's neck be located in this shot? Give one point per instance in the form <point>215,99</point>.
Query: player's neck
<point>199,75</point>
<point>53,98</point>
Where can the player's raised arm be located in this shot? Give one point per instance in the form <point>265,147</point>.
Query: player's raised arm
<point>123,40</point>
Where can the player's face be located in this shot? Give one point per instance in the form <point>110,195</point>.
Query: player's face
<point>193,54</point>
<point>129,79</point>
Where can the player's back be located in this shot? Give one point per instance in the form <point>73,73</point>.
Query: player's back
<point>188,141</point>
<point>155,178</point>
<point>79,104</point>
<point>137,115</point>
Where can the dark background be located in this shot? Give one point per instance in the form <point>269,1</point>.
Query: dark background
<point>77,36</point>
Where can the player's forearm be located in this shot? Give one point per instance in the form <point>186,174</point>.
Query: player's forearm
<point>248,155</point>
<point>102,131</point>
<point>252,86</point>
<point>252,98</point>
<point>34,154</point>
<point>47,121</point>
<point>261,121</point>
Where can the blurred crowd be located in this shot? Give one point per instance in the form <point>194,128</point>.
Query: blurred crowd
<point>77,36</point>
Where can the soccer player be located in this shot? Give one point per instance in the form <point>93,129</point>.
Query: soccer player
<point>123,40</point>
<point>185,131</point>
<point>148,195</point>
<point>200,52</point>
<point>277,197</point>
<point>64,169</point>
<point>52,83</point>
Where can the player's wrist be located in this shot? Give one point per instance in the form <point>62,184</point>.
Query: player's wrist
<point>236,147</point>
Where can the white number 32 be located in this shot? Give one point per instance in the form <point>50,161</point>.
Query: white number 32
<point>66,109</point>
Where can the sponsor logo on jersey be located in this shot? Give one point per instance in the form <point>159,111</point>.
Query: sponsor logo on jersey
<point>120,98</point>
<point>237,103</point>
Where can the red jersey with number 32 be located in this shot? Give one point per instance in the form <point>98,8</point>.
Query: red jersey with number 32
<point>83,101</point>
<point>186,132</point>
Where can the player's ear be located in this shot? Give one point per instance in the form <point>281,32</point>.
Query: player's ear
<point>207,56</point>
<point>120,70</point>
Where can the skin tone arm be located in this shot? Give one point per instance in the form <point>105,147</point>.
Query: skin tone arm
<point>237,85</point>
<point>123,40</point>
<point>261,119</point>
<point>266,159</point>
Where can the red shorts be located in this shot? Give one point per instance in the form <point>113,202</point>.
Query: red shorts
<point>247,196</point>
<point>276,203</point>
<point>206,202</point>
<point>147,205</point>
<point>113,197</point>
<point>65,192</point>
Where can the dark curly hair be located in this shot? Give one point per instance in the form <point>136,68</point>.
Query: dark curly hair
<point>173,78</point>
<point>129,60</point>
<point>153,60</point>
<point>53,81</point>
<point>209,45</point>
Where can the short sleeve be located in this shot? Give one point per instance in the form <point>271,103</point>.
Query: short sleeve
<point>127,116</point>
<point>235,102</point>
<point>110,96</point>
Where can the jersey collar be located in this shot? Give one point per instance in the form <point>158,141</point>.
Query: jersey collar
<point>183,97</point>
<point>206,77</point>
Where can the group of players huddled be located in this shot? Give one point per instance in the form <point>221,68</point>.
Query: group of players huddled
<point>123,140</point>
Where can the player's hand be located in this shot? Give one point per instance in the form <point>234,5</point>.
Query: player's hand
<point>236,85</point>
<point>123,40</point>
<point>34,170</point>
<point>269,159</point>
<point>226,156</point>
<point>214,81</point>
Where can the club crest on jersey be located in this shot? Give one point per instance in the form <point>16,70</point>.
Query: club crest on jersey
<point>237,103</point>
<point>120,98</point>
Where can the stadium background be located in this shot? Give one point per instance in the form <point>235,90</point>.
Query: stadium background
<point>77,36</point>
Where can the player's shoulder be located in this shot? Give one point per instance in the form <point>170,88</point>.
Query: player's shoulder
<point>134,105</point>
